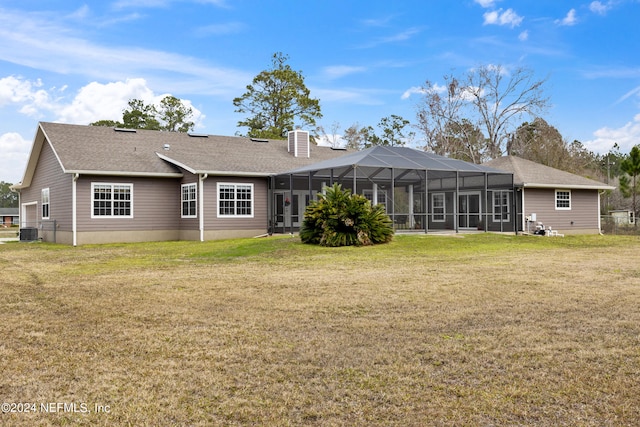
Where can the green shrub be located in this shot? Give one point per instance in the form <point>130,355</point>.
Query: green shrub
<point>339,218</point>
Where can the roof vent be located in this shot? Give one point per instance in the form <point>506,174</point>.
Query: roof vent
<point>166,147</point>
<point>259,140</point>
<point>339,148</point>
<point>124,130</point>
<point>198,135</point>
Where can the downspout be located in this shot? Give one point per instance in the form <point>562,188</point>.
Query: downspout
<point>455,204</point>
<point>74,211</point>
<point>426,201</point>
<point>599,214</point>
<point>485,208</point>
<point>201,179</point>
<point>290,204</point>
<point>393,198</point>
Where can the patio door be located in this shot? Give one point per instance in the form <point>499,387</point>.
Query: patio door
<point>469,210</point>
<point>287,210</point>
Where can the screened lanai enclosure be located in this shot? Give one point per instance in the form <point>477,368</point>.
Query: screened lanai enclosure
<point>420,191</point>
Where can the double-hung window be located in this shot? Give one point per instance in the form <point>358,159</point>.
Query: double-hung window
<point>438,207</point>
<point>189,200</point>
<point>112,200</point>
<point>45,203</point>
<point>235,200</point>
<point>501,206</point>
<point>563,199</point>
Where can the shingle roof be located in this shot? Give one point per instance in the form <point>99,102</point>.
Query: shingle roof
<point>531,174</point>
<point>9,211</point>
<point>105,150</point>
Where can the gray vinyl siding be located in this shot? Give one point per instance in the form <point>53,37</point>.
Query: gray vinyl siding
<point>260,194</point>
<point>583,215</point>
<point>155,205</point>
<point>49,174</point>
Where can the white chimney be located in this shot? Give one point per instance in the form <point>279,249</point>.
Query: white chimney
<point>299,144</point>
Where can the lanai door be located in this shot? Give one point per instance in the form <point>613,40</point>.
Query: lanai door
<point>289,211</point>
<point>469,210</point>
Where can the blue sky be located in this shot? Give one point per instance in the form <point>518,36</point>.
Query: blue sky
<point>80,61</point>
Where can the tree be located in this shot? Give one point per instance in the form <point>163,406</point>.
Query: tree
<point>339,218</point>
<point>108,123</point>
<point>392,133</point>
<point>442,122</point>
<point>333,136</point>
<point>356,136</point>
<point>172,116</point>
<point>8,198</point>
<point>629,182</point>
<point>489,98</point>
<point>276,100</point>
<point>140,116</point>
<point>539,142</point>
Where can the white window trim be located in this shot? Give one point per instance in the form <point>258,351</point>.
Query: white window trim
<point>444,207</point>
<point>555,200</point>
<point>498,217</point>
<point>235,185</point>
<point>182,199</point>
<point>93,184</point>
<point>48,204</point>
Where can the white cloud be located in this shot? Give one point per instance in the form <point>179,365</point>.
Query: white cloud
<point>32,41</point>
<point>97,101</point>
<point>338,71</point>
<point>570,19</point>
<point>399,37</point>
<point>600,8</point>
<point>626,136</point>
<point>523,36</point>
<point>27,95</point>
<point>15,151</point>
<point>411,91</point>
<point>486,3</point>
<point>498,17</point>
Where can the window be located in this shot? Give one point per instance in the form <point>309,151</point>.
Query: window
<point>501,206</point>
<point>235,200</point>
<point>45,203</point>
<point>438,207</point>
<point>112,200</point>
<point>189,200</point>
<point>563,199</point>
<point>382,197</point>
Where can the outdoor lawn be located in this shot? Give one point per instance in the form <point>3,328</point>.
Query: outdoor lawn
<point>474,330</point>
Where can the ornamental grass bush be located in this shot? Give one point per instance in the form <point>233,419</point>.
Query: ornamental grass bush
<point>339,218</point>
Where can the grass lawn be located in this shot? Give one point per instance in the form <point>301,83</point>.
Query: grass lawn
<point>484,329</point>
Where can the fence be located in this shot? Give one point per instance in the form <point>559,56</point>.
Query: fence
<point>616,226</point>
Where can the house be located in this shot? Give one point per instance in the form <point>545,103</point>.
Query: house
<point>9,217</point>
<point>91,184</point>
<point>568,203</point>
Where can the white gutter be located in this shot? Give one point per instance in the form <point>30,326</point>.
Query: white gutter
<point>125,173</point>
<point>569,187</point>
<point>74,214</point>
<point>201,179</point>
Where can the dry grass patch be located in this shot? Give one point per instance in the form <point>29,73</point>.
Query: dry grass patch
<point>481,330</point>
